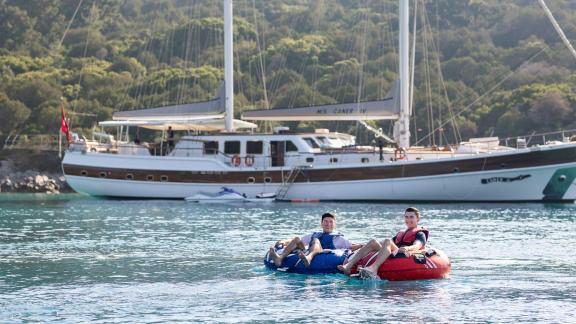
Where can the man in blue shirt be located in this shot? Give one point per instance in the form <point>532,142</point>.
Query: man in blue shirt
<point>317,242</point>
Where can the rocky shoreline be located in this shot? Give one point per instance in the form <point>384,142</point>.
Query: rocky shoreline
<point>30,181</point>
<point>34,182</point>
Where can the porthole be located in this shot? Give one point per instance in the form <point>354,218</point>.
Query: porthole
<point>84,173</point>
<point>251,180</point>
<point>149,177</point>
<point>268,180</point>
<point>456,170</point>
<point>129,176</point>
<point>333,160</point>
<point>164,178</point>
<point>503,165</point>
<point>562,178</point>
<point>365,160</point>
<point>309,160</point>
<point>103,174</point>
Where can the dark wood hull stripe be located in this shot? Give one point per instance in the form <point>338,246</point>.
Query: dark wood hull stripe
<point>387,171</point>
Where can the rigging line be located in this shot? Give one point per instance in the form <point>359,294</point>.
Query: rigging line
<point>182,85</point>
<point>260,59</point>
<point>362,61</point>
<point>413,66</point>
<point>144,82</point>
<point>361,68</point>
<point>436,47</point>
<point>431,56</point>
<point>84,54</point>
<point>493,88</point>
<point>413,59</point>
<point>299,71</point>
<point>557,27</point>
<point>69,24</point>
<point>428,87</point>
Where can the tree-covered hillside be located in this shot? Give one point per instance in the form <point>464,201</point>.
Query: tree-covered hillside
<point>483,67</point>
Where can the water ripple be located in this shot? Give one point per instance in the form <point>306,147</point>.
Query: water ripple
<point>76,259</point>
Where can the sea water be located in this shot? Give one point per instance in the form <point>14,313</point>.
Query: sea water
<point>78,259</point>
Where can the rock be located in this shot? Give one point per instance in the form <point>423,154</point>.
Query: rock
<point>40,180</point>
<point>33,181</point>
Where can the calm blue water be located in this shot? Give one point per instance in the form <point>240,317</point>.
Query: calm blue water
<point>76,259</point>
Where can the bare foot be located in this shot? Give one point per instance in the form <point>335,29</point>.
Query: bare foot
<point>304,259</point>
<point>344,269</point>
<point>275,257</point>
<point>368,274</point>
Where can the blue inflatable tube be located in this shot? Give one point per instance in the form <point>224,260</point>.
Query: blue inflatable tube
<point>322,263</point>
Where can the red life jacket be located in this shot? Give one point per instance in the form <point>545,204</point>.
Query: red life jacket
<point>407,238</point>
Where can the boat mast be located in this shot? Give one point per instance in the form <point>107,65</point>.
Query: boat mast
<point>402,127</point>
<point>557,27</point>
<point>229,65</point>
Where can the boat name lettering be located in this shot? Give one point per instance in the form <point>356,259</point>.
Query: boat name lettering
<point>503,179</point>
<point>341,111</point>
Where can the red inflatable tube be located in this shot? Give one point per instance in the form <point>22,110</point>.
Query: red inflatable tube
<point>436,266</point>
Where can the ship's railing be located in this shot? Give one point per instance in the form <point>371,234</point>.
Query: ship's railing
<point>31,142</point>
<point>540,138</point>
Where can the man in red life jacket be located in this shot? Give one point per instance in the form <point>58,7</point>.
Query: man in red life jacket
<point>317,242</point>
<point>410,240</point>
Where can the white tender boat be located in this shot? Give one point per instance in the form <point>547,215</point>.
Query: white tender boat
<point>227,195</point>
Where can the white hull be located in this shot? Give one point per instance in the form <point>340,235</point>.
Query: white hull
<point>453,187</point>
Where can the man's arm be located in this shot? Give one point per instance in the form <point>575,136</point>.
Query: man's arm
<point>418,244</point>
<point>342,243</point>
<point>306,239</point>
<point>355,246</point>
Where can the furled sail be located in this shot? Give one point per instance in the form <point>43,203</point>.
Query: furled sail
<point>199,110</point>
<point>387,108</point>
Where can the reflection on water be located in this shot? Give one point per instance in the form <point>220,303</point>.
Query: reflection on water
<point>73,258</point>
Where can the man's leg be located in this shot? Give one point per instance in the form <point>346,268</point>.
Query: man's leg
<point>387,248</point>
<point>295,243</point>
<point>313,249</point>
<point>371,246</point>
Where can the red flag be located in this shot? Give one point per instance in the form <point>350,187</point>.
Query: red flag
<point>64,125</point>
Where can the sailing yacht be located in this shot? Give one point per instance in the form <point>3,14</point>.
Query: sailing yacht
<point>319,165</point>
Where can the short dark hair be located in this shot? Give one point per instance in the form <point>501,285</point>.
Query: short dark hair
<point>328,214</point>
<point>413,210</point>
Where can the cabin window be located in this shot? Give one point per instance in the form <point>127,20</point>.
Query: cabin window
<point>211,147</point>
<point>251,180</point>
<point>129,176</point>
<point>164,178</point>
<point>312,143</point>
<point>333,160</point>
<point>254,147</point>
<point>322,139</point>
<point>84,173</point>
<point>365,160</point>
<point>232,147</point>
<point>149,177</point>
<point>291,147</point>
<point>309,160</point>
<point>268,180</point>
<point>102,174</point>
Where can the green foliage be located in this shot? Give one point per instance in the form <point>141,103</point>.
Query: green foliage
<point>13,113</point>
<point>121,55</point>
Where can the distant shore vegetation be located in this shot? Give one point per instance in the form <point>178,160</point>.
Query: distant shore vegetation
<point>121,55</point>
